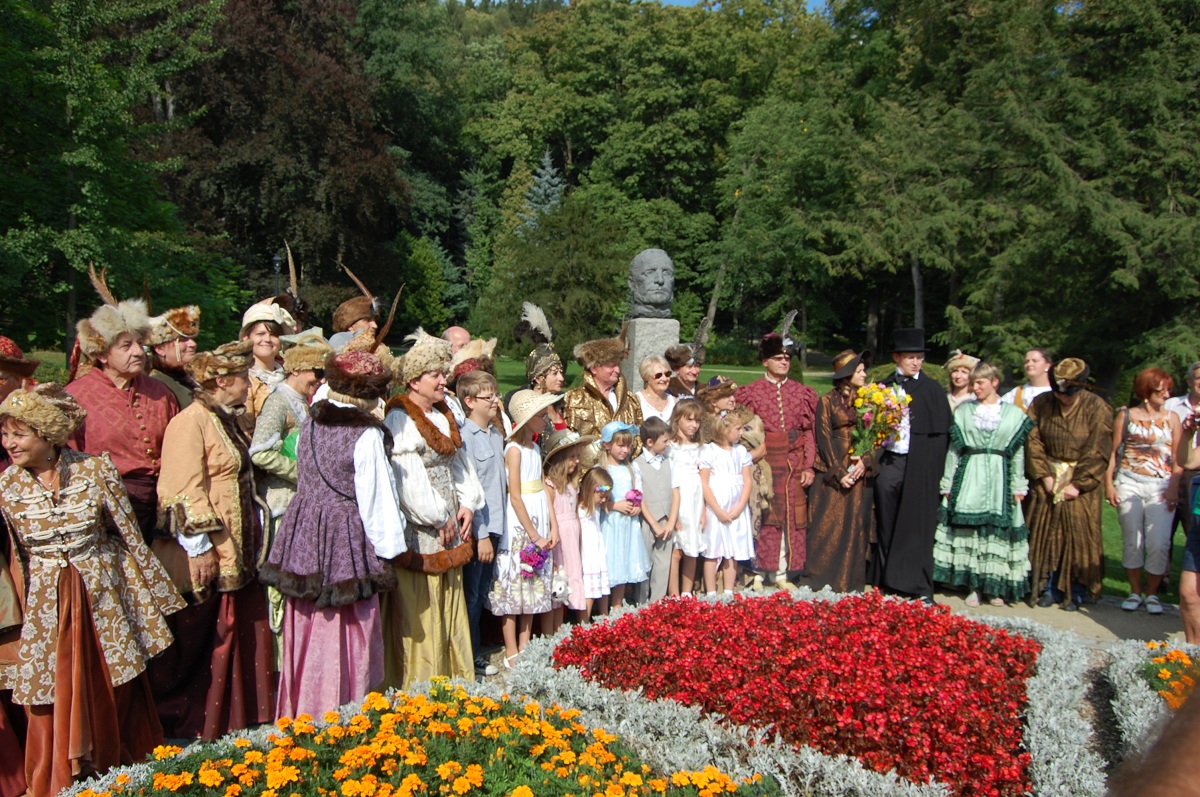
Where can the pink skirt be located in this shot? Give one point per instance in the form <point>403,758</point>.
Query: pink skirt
<point>331,656</point>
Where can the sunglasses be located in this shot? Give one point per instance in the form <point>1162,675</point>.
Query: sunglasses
<point>660,374</point>
<point>319,373</point>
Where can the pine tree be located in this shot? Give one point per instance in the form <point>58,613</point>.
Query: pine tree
<point>546,193</point>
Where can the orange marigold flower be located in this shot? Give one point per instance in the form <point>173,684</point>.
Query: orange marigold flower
<point>658,784</point>
<point>282,776</point>
<point>614,790</point>
<point>630,779</point>
<point>166,751</point>
<point>522,791</point>
<point>210,777</point>
<point>461,785</point>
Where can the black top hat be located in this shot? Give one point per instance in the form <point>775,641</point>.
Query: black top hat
<point>908,340</point>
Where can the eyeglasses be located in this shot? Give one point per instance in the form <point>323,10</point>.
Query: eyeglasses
<point>660,374</point>
<point>319,373</point>
<point>488,397</point>
<point>782,358</point>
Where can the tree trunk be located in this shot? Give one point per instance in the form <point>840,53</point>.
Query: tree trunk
<point>722,271</point>
<point>873,321</point>
<point>918,294</point>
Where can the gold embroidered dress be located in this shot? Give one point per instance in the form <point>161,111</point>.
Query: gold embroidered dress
<point>127,588</point>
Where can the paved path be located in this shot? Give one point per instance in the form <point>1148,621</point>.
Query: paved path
<point>1101,623</point>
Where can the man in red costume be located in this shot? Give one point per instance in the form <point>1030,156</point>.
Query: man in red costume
<point>788,411</point>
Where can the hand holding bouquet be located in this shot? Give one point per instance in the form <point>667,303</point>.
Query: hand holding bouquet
<point>880,410</point>
<point>533,560</point>
<point>634,497</point>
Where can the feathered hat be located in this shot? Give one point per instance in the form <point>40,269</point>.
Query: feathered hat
<point>427,354</point>
<point>365,340</point>
<point>95,335</point>
<point>960,360</point>
<point>290,299</point>
<point>356,309</point>
<point>534,327</point>
<point>781,342</point>
<point>477,354</point>
<point>684,354</point>
<point>175,324</point>
<point>603,351</point>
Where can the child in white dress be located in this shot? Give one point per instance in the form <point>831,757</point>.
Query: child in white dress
<point>595,498</point>
<point>726,475</point>
<point>519,592</point>
<point>685,480</point>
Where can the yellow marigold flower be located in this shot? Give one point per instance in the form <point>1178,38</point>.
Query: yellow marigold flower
<point>562,772</point>
<point>522,791</point>
<point>631,779</point>
<point>858,403</point>
<point>461,785</point>
<point>122,779</point>
<point>614,790</point>
<point>584,781</point>
<point>270,793</point>
<point>658,784</point>
<point>449,769</point>
<point>680,779</point>
<point>465,725</point>
<point>475,775</point>
<point>282,776</point>
<point>166,751</point>
<point>283,723</point>
<point>1164,674</point>
<point>1159,660</point>
<point>210,777</point>
<point>374,702</point>
<point>233,790</point>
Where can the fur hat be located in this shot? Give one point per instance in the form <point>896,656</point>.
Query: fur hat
<point>269,310</point>
<point>716,389</point>
<point>960,360</point>
<point>226,359</point>
<point>47,409</point>
<point>356,309</point>
<point>526,404</point>
<point>476,354</point>
<point>602,351</point>
<point>97,334</point>
<point>13,360</point>
<point>175,324</point>
<point>305,351</point>
<point>772,345</point>
<point>683,354</point>
<point>357,373</point>
<point>427,354</point>
<point>1070,376</point>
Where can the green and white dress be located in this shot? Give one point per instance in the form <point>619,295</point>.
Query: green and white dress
<point>982,542</point>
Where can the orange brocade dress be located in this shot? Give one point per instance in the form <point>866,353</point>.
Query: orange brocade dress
<point>95,601</point>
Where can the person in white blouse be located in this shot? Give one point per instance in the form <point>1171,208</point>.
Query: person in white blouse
<point>654,399</point>
<point>428,633</point>
<point>1038,363</point>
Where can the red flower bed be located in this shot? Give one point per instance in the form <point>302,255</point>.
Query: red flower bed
<point>895,684</point>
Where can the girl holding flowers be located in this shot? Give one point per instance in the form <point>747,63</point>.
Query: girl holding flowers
<point>622,525</point>
<point>524,573</point>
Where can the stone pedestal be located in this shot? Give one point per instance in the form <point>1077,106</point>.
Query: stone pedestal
<point>647,336</point>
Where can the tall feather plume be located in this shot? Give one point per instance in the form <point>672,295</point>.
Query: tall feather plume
<point>357,281</point>
<point>786,327</point>
<point>146,293</point>
<point>701,336</point>
<point>293,281</point>
<point>387,326</point>
<point>100,283</point>
<point>533,325</point>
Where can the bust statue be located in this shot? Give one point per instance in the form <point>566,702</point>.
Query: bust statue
<point>651,284</point>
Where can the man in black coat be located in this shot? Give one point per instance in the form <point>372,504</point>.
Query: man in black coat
<point>906,489</point>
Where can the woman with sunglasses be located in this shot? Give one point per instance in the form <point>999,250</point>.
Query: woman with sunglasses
<point>656,402</point>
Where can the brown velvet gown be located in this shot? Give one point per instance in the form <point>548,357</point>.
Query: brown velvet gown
<point>840,518</point>
<point>1066,537</point>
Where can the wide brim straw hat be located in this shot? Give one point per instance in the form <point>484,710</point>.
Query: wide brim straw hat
<point>563,440</point>
<point>526,404</point>
<point>846,363</point>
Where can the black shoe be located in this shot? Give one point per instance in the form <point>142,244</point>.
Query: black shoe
<point>1070,606</point>
<point>927,600</point>
<point>1046,601</point>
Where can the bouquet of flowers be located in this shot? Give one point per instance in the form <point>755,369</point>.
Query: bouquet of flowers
<point>533,560</point>
<point>880,410</point>
<point>634,497</point>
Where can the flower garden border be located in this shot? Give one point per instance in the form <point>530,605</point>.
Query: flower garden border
<point>1141,713</point>
<point>670,735</point>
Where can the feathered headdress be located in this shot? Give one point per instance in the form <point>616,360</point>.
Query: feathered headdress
<point>683,353</point>
<point>356,309</point>
<point>96,334</point>
<point>290,299</point>
<point>781,342</point>
<point>535,327</point>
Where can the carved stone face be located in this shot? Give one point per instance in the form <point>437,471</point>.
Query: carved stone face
<point>651,284</point>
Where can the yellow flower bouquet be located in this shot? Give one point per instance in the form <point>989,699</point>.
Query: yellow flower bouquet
<point>446,744</point>
<point>880,411</point>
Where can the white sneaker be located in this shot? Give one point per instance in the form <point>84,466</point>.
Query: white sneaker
<point>485,667</point>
